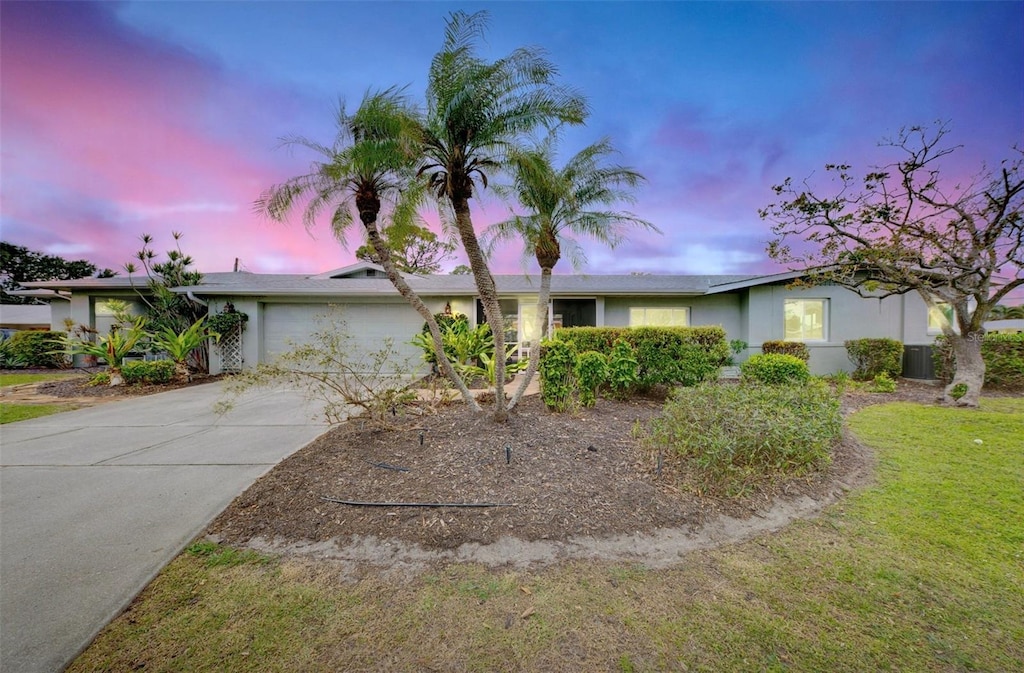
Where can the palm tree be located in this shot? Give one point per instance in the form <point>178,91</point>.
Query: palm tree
<point>476,112</point>
<point>562,204</point>
<point>371,161</point>
<point>1004,312</point>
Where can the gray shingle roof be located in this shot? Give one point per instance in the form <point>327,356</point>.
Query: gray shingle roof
<point>444,285</point>
<point>256,284</point>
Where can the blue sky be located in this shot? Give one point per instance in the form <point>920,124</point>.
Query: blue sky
<point>126,118</point>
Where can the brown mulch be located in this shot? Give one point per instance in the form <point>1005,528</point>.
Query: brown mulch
<point>569,476</point>
<point>78,387</point>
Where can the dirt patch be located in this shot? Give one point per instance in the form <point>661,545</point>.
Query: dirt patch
<point>575,487</point>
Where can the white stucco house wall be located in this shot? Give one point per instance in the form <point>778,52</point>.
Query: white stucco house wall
<point>283,308</point>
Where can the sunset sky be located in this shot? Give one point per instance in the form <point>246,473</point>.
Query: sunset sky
<point>124,118</point>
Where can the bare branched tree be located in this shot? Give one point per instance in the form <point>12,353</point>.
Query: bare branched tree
<point>907,227</point>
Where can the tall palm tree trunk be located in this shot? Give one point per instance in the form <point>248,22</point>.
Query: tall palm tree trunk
<point>384,257</point>
<point>488,297</point>
<point>542,314</point>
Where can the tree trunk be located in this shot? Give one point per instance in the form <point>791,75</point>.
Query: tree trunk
<point>384,256</point>
<point>488,297</point>
<point>116,378</point>
<point>968,371</point>
<point>182,372</point>
<point>542,314</point>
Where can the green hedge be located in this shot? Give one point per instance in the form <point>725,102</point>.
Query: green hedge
<point>665,355</point>
<point>557,368</point>
<point>872,357</point>
<point>775,369</point>
<point>154,371</point>
<point>37,349</point>
<point>797,349</point>
<point>1003,355</point>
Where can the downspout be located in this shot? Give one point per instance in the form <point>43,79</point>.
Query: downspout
<point>188,293</point>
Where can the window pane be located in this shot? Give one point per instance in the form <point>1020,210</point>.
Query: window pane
<point>805,319</point>
<point>658,317</point>
<point>530,325</point>
<point>939,315</point>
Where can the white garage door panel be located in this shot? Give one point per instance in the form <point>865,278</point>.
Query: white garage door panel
<point>368,325</point>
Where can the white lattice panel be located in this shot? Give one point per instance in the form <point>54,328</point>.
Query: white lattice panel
<point>230,346</point>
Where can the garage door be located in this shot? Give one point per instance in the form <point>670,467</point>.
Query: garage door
<point>367,326</point>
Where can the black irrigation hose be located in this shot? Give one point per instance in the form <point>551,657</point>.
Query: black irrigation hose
<point>357,503</point>
<point>386,466</point>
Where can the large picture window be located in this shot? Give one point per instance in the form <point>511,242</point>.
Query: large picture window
<point>806,319</point>
<point>659,317</point>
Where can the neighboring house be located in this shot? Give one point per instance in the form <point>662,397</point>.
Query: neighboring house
<point>283,309</point>
<point>17,317</point>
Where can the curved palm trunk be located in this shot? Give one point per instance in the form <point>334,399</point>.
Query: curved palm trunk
<point>384,256</point>
<point>488,297</point>
<point>542,314</point>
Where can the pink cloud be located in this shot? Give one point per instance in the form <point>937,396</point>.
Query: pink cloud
<point>108,135</point>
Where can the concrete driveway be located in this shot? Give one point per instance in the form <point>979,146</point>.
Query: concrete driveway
<point>93,503</point>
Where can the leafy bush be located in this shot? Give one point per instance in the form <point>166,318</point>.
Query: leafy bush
<point>37,349</point>
<point>155,371</point>
<point>773,369</point>
<point>8,360</point>
<point>872,357</point>
<point>452,325</point>
<point>795,348</point>
<point>226,322</point>
<point>556,368</point>
<point>737,436</point>
<point>883,384</point>
<point>591,371</point>
<point>1003,355</point>
<point>665,355</point>
<point>622,370</point>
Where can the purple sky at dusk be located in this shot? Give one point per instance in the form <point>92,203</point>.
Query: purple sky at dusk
<point>118,119</point>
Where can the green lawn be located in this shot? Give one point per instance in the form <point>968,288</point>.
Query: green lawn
<point>11,413</point>
<point>18,379</point>
<point>922,571</point>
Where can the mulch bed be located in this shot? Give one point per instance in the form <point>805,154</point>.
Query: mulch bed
<point>78,387</point>
<point>569,476</point>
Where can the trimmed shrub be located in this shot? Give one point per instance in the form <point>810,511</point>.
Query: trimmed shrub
<point>774,369</point>
<point>37,349</point>
<point>795,348</point>
<point>154,371</point>
<point>622,370</point>
<point>556,369</point>
<point>1003,355</point>
<point>591,371</point>
<point>872,357</point>
<point>665,355</point>
<point>738,436</point>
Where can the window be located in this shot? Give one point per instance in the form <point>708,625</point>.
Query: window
<point>806,319</point>
<point>110,307</point>
<point>658,317</point>
<point>939,315</point>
